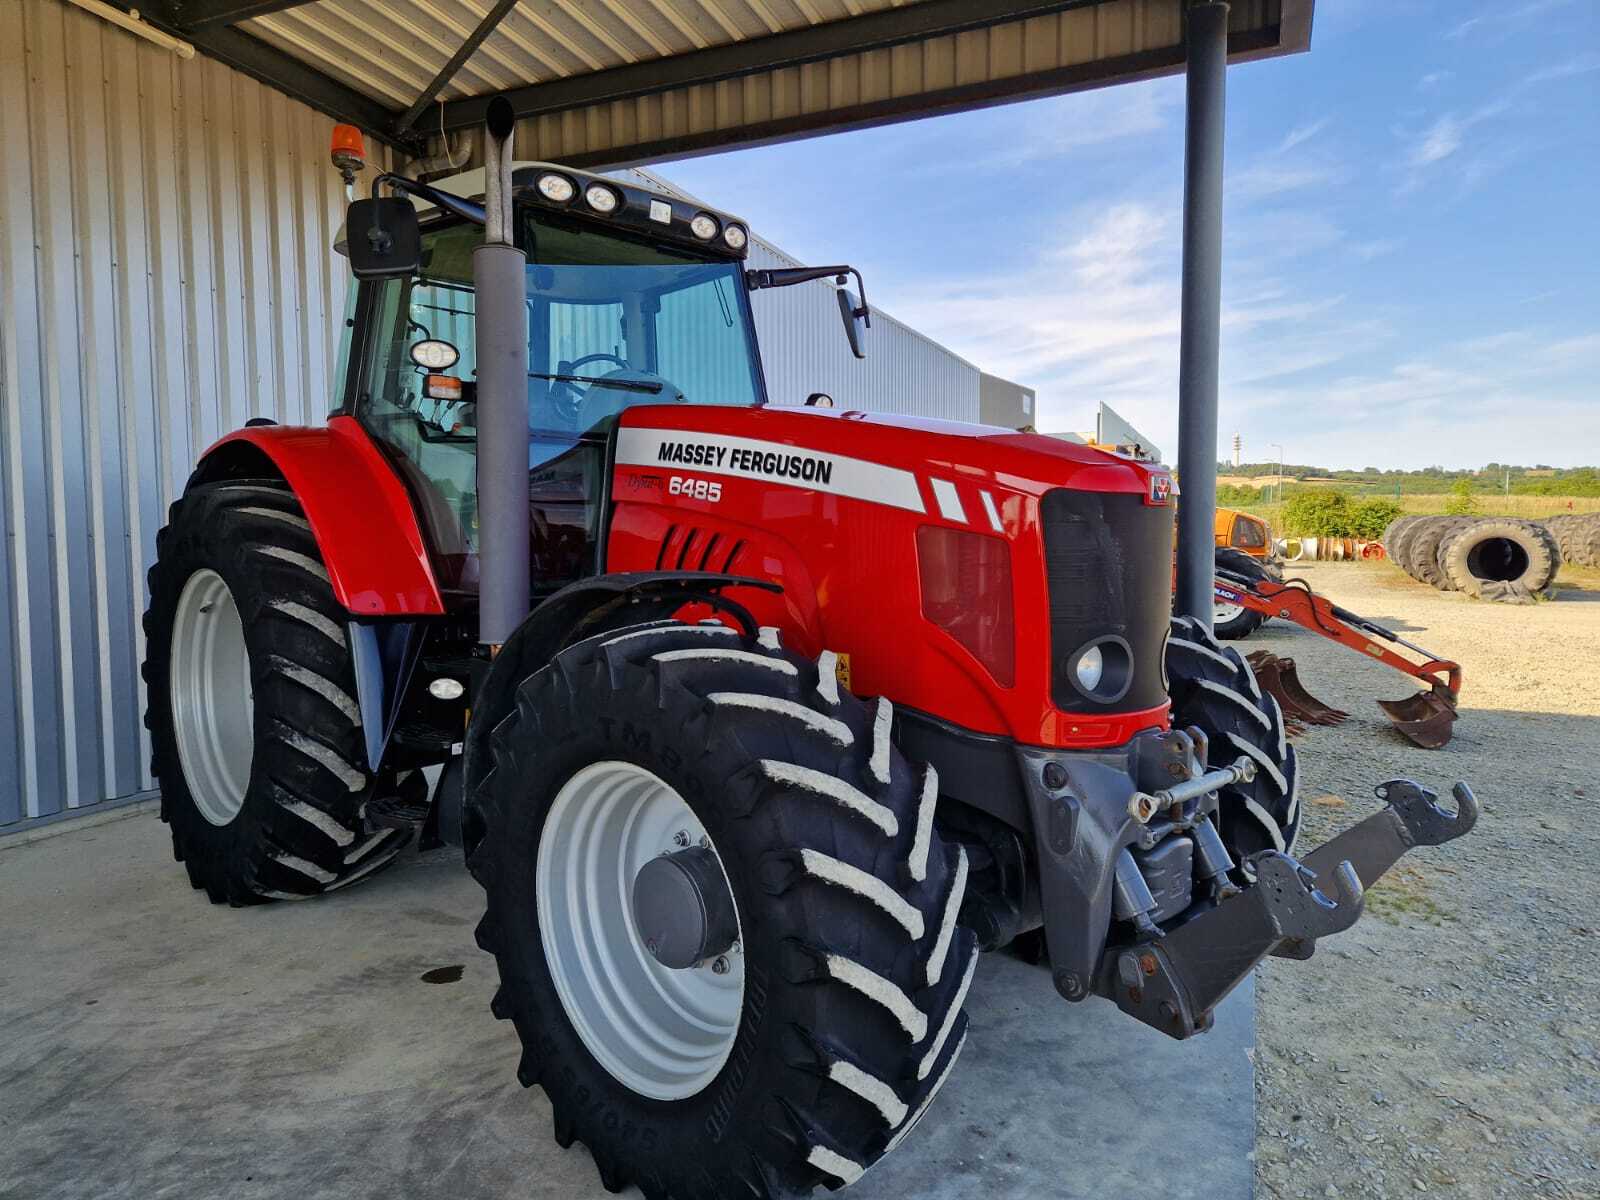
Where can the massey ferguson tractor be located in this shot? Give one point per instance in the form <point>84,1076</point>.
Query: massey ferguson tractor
<point>756,724</point>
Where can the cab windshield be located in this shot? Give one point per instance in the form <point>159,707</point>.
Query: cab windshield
<point>611,323</point>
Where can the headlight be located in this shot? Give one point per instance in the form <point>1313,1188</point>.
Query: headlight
<point>557,187</point>
<point>1102,669</point>
<point>704,227</point>
<point>600,198</point>
<point>1090,668</point>
<point>735,236</point>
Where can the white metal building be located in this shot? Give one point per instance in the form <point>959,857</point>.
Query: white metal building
<point>166,274</point>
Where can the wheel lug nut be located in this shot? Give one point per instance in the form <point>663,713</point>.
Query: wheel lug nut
<point>680,838</point>
<point>720,966</point>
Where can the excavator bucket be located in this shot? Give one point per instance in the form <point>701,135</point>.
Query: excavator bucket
<point>1427,718</point>
<point>1279,679</point>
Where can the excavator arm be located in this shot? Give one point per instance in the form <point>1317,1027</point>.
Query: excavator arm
<point>1426,718</point>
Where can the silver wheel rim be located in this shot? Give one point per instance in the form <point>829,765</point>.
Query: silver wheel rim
<point>664,1033</point>
<point>213,704</point>
<point>1221,614</point>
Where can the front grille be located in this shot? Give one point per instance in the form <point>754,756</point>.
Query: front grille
<point>1108,563</point>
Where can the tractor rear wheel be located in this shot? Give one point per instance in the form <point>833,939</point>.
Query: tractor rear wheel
<point>1214,688</point>
<point>256,733</point>
<point>724,923</point>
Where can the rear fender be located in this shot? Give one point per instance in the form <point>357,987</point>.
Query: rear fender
<point>360,511</point>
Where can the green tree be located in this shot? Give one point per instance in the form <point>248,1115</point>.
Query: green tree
<point>1462,503</point>
<point>1237,495</point>
<point>1369,518</point>
<point>1317,512</point>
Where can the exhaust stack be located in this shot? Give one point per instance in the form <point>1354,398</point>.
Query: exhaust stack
<point>501,328</point>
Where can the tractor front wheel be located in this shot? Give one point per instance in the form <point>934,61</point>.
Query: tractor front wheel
<point>1214,689</point>
<point>724,923</point>
<point>257,735</point>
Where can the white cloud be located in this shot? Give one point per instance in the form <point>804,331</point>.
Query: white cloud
<point>1301,134</point>
<point>1433,79</point>
<point>1096,317</point>
<point>1501,19</point>
<point>1581,65</point>
<point>1057,127</point>
<point>1442,139</point>
<point>1269,178</point>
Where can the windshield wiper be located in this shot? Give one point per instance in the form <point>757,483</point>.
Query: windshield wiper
<point>626,385</point>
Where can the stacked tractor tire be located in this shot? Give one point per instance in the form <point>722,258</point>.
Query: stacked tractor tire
<point>1490,558</point>
<point>1578,536</point>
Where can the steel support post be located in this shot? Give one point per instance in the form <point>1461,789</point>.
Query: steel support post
<point>1200,339</point>
<point>501,329</point>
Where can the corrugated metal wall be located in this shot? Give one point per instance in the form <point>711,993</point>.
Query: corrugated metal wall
<point>803,348</point>
<point>164,275</point>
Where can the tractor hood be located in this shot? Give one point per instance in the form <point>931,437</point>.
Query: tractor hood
<point>927,460</point>
<point>962,564</point>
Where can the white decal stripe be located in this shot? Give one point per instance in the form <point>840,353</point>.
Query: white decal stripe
<point>992,511</point>
<point>949,500</point>
<point>744,458</point>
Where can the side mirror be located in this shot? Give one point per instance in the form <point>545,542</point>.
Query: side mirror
<point>857,320</point>
<point>383,238</point>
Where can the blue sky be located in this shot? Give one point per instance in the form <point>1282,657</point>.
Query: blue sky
<point>1412,256</point>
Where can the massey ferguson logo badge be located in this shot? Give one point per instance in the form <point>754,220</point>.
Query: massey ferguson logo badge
<point>1160,489</point>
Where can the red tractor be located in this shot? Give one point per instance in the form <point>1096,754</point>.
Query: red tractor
<point>756,724</point>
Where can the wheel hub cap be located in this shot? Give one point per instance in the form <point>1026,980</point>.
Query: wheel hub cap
<point>683,909</point>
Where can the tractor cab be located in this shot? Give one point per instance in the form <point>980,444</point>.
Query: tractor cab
<point>632,297</point>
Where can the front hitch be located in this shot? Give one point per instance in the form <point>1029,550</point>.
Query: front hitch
<point>1174,983</point>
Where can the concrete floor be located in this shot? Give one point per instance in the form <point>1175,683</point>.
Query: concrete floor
<point>152,1046</point>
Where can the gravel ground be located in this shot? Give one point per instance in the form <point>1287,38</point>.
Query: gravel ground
<point>1450,1042</point>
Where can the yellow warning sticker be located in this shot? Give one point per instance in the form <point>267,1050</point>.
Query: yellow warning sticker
<point>842,670</point>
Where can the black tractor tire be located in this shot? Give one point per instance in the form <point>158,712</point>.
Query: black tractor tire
<point>1501,559</point>
<point>298,829</point>
<point>858,983</point>
<point>1247,620</point>
<point>1213,688</point>
<point>1422,549</point>
<point>1585,540</point>
<point>1566,528</point>
<point>1395,537</point>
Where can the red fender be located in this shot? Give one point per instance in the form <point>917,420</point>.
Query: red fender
<point>360,514</point>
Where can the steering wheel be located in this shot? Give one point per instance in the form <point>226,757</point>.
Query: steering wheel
<point>566,397</point>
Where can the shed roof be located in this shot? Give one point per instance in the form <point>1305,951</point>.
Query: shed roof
<point>623,81</point>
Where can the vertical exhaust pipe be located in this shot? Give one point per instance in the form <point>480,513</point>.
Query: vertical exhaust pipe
<point>501,326</point>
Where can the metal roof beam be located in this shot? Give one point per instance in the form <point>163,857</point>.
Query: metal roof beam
<point>850,35</point>
<point>447,72</point>
<point>287,74</point>
<point>194,15</point>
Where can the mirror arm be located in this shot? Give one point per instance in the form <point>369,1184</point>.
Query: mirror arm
<point>401,186</point>
<point>789,276</point>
